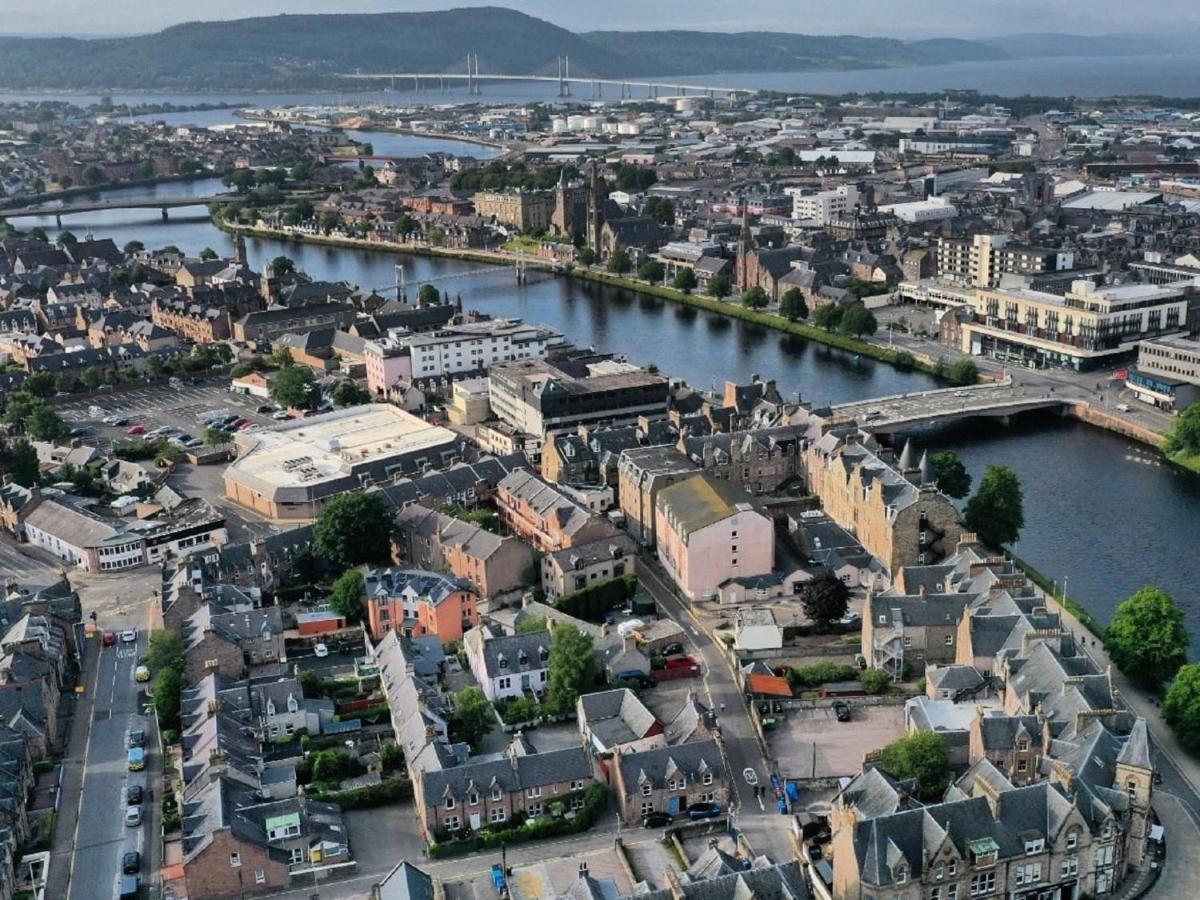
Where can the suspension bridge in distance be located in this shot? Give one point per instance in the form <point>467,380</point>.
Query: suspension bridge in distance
<point>565,81</point>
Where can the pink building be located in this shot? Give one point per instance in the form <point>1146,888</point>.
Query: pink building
<point>710,531</point>
<point>385,365</point>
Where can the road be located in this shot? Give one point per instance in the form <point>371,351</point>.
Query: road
<point>762,826</point>
<point>101,836</point>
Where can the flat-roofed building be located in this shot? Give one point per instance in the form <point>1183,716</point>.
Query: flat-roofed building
<point>1090,326</point>
<point>540,396</point>
<point>1167,373</point>
<point>291,471</point>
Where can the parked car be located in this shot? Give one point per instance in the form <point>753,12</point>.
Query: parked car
<point>1122,407</point>
<point>673,649</point>
<point>320,651</point>
<point>131,863</point>
<point>238,423</point>
<point>814,853</point>
<point>266,408</point>
<point>131,889</point>
<point>281,415</point>
<point>135,760</point>
<point>842,710</point>
<point>129,636</point>
<point>110,638</point>
<point>641,679</point>
<point>682,662</point>
<point>141,673</point>
<point>133,795</point>
<point>133,816</point>
<point>703,810</point>
<point>160,431</point>
<point>136,429</point>
<point>656,820</point>
<point>751,776</point>
<point>850,619</point>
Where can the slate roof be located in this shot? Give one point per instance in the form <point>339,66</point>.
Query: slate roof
<point>417,583</point>
<point>616,717</point>
<point>510,649</point>
<point>659,765</point>
<point>512,772</point>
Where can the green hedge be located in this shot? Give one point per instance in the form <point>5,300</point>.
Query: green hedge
<point>595,800</point>
<point>593,601</point>
<point>821,673</point>
<point>393,790</point>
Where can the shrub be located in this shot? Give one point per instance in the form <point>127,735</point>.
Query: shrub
<point>595,600</point>
<point>875,681</point>
<point>392,790</point>
<point>821,673</point>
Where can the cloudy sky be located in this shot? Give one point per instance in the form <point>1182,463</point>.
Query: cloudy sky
<point>966,18</point>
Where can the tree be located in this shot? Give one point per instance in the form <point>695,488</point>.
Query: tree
<point>1181,708</point>
<point>1185,433</point>
<point>208,253</point>
<point>530,625</point>
<point>281,358</point>
<point>92,175</point>
<point>283,265</point>
<point>572,669</point>
<point>1147,638</point>
<point>921,755</point>
<point>824,599</point>
<point>587,256</point>
<point>405,225</point>
<point>473,716</point>
<point>214,436</point>
<point>44,424</point>
<point>997,510</point>
<point>951,475</point>
<point>333,765</point>
<point>755,298</point>
<point>857,321</point>
<point>354,528</point>
<point>20,460</point>
<point>66,239</point>
<point>347,393</point>
<point>165,651</point>
<point>40,384</point>
<point>719,287</point>
<point>792,305</point>
<point>651,270</point>
<point>963,372</point>
<point>132,247</point>
<point>37,233</point>
<point>685,280</point>
<point>429,295</point>
<point>875,681</point>
<point>619,262</point>
<point>827,316</point>
<point>295,386</point>
<point>346,598</point>
<point>241,180</point>
<point>660,209</point>
<point>168,692</point>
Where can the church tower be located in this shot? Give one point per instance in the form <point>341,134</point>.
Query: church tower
<point>742,264</point>
<point>595,214</point>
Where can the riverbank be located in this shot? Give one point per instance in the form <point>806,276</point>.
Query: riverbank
<point>28,200</point>
<point>901,359</point>
<point>406,132</point>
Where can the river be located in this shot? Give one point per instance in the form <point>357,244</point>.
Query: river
<point>1105,513</point>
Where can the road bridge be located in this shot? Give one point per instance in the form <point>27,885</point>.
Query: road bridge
<point>67,209</point>
<point>887,415</point>
<point>565,81</point>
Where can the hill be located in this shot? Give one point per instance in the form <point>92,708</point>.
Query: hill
<point>1023,46</point>
<point>958,50</point>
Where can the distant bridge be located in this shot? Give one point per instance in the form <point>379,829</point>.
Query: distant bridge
<point>67,209</point>
<point>887,415</point>
<point>564,80</point>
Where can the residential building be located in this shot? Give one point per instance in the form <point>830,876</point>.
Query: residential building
<point>642,473</point>
<point>821,207</point>
<point>709,531</point>
<point>587,565</point>
<point>670,779</point>
<point>269,324</point>
<point>416,602</point>
<point>617,721</point>
<point>509,666</point>
<point>430,539</point>
<point>545,517</point>
<point>759,461</point>
<point>542,396</point>
<point>896,510</point>
<point>290,471</point>
<point>1090,327</point>
<point>982,260</point>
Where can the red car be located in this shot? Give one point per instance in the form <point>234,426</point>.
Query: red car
<point>136,429</point>
<point>681,662</point>
<point>241,423</point>
<point>110,638</point>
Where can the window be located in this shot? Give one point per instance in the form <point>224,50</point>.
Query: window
<point>1030,873</point>
<point>534,809</point>
<point>1022,765</point>
<point>647,790</point>
<point>576,803</point>
<point>949,640</point>
<point>952,869</point>
<point>901,875</point>
<point>1070,866</point>
<point>235,860</point>
<point>935,893</point>
<point>497,793</point>
<point>452,823</point>
<point>577,784</point>
<point>533,792</point>
<point>939,873</point>
<point>1023,745</point>
<point>497,814</point>
<point>473,799</point>
<point>647,807</point>
<point>952,892</point>
<point>1131,788</point>
<point>449,803</point>
<point>297,855</point>
<point>707,778</point>
<point>1072,839</point>
<point>983,883</point>
<point>260,876</point>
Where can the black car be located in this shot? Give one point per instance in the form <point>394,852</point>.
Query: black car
<point>842,711</point>
<point>656,820</point>
<point>675,649</point>
<point>131,863</point>
<point>703,810</point>
<point>133,795</point>
<point>814,853</point>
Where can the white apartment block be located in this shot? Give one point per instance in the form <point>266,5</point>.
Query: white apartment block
<point>823,207</point>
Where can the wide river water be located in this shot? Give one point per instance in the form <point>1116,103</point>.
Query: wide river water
<point>1105,513</point>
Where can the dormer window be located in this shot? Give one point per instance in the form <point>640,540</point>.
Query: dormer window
<point>502,661</point>
<point>1023,745</point>
<point>473,799</point>
<point>707,778</point>
<point>543,654</point>
<point>647,789</point>
<point>1131,787</point>
<point>497,794</point>
<point>901,875</point>
<point>1072,839</point>
<point>449,803</point>
<point>1034,845</point>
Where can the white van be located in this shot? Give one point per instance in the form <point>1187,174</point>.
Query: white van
<point>630,625</point>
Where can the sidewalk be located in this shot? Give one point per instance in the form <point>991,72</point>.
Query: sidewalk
<point>71,791</point>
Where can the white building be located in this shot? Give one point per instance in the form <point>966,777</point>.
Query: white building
<point>509,666</point>
<point>935,209</point>
<point>756,629</point>
<point>823,207</point>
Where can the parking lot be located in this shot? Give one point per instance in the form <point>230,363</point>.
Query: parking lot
<point>812,743</point>
<point>158,405</point>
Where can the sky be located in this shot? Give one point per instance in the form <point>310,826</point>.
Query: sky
<point>896,18</point>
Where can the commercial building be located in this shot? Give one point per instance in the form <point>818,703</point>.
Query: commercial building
<point>291,471</point>
<point>455,349</point>
<point>539,396</point>
<point>822,207</point>
<point>1167,373</point>
<point>523,210</point>
<point>416,602</point>
<point>982,260</point>
<point>1090,327</point>
<point>709,531</point>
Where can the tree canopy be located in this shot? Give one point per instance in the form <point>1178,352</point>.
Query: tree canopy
<point>354,528</point>
<point>1147,638</point>
<point>824,599</point>
<point>1181,707</point>
<point>996,512</point>
<point>951,475</point>
<point>1185,433</point>
<point>827,316</point>
<point>347,393</point>
<point>792,305</point>
<point>619,262</point>
<point>651,270</point>
<point>20,460</point>
<point>346,598</point>
<point>295,386</point>
<point>857,321</point>
<point>572,670</point>
<point>685,280</point>
<point>473,716</point>
<point>921,755</point>
<point>755,298</point>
